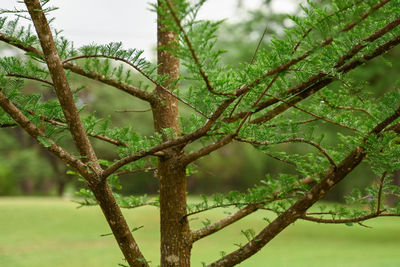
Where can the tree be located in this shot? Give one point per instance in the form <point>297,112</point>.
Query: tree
<point>283,96</point>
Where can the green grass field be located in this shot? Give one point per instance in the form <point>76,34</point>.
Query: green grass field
<point>44,232</point>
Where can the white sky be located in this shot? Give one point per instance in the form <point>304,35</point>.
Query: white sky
<point>128,21</point>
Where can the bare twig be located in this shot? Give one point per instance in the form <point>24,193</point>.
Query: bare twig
<point>337,221</point>
<point>381,182</point>
<point>133,110</point>
<point>258,45</point>
<point>295,123</point>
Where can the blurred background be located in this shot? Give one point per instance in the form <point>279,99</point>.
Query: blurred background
<point>27,169</point>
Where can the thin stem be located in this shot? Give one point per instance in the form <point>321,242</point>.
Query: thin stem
<point>313,114</point>
<point>378,204</point>
<point>345,107</point>
<point>133,110</point>
<point>30,78</point>
<point>258,45</point>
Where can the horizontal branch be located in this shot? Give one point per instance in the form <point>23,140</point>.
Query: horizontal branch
<point>133,91</point>
<point>241,213</point>
<point>345,107</point>
<point>292,140</point>
<point>79,70</point>
<point>215,227</point>
<point>313,114</point>
<point>29,78</point>
<point>187,159</point>
<point>349,220</point>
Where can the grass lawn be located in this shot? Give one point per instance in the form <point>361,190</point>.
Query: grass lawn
<point>44,232</point>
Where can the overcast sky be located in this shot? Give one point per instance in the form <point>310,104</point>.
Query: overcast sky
<point>128,21</point>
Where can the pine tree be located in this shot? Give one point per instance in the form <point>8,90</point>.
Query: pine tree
<point>283,96</point>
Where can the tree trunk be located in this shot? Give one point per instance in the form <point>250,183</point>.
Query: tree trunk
<point>175,234</point>
<point>176,242</point>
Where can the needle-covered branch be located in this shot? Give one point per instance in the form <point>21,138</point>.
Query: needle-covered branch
<point>239,214</point>
<point>320,80</point>
<point>297,210</point>
<point>29,78</point>
<point>80,71</point>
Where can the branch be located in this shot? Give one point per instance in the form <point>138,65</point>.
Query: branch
<point>291,140</point>
<point>29,78</point>
<point>80,71</point>
<point>324,43</point>
<point>136,171</point>
<point>187,159</point>
<point>312,114</point>
<point>241,213</point>
<point>215,227</point>
<point>258,45</point>
<point>137,92</point>
<point>317,82</point>
<point>61,85</point>
<point>345,107</point>
<point>295,123</point>
<point>337,221</point>
<point>132,110</point>
<point>378,204</point>
<point>133,91</point>
<point>297,210</point>
<point>320,80</point>
<point>330,15</point>
<point>36,133</point>
<point>185,139</point>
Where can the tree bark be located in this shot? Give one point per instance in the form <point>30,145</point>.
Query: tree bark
<point>176,241</point>
<point>118,225</point>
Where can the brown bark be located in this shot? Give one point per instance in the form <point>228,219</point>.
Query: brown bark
<point>61,85</point>
<point>93,176</point>
<point>118,225</point>
<point>175,233</point>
